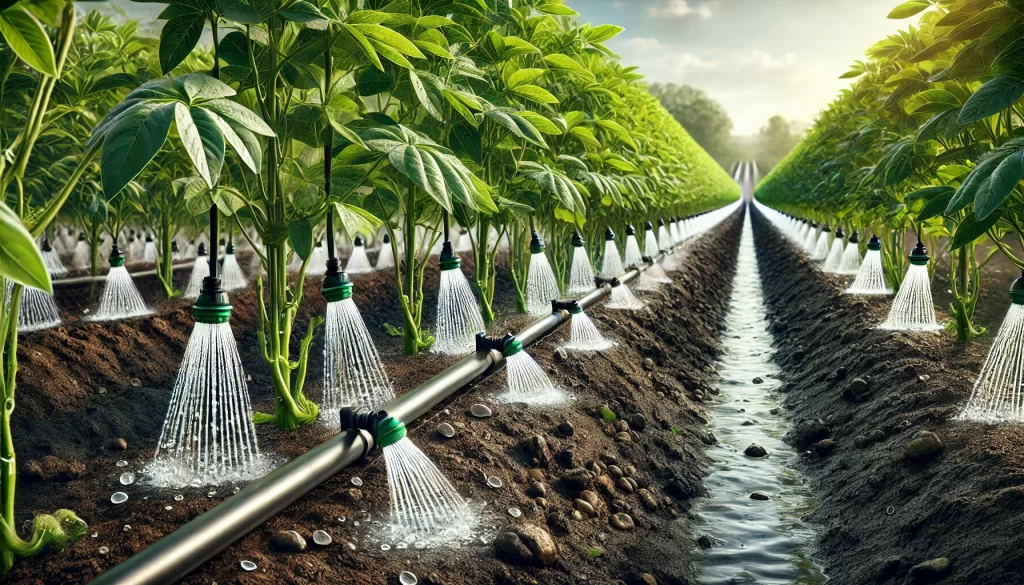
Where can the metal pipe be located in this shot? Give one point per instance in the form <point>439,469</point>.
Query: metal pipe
<point>90,279</point>
<point>172,557</point>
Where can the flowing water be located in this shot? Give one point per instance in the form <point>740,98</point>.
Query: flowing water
<point>458,315</point>
<point>584,335</point>
<point>581,275</point>
<point>423,502</point>
<point>353,372</point>
<point>611,265</point>
<point>37,309</point>
<point>541,286</point>
<point>359,262</point>
<point>528,383</point>
<point>913,309</point>
<point>200,270</point>
<point>755,541</point>
<point>231,275</point>
<point>871,276</point>
<point>121,299</point>
<point>623,299</point>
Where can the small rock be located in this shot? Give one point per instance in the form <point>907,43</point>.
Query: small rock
<point>287,541</point>
<point>591,498</point>
<point>924,446</point>
<point>621,521</point>
<point>525,544</point>
<point>811,431</point>
<point>566,429</point>
<point>566,458</point>
<point>858,390</point>
<point>841,374</point>
<point>480,411</point>
<point>823,448</point>
<point>118,444</point>
<point>760,496</point>
<point>446,430</point>
<point>755,450</point>
<point>584,507</point>
<point>930,571</point>
<point>352,495</point>
<point>747,423</point>
<point>638,421</point>
<point>561,355</point>
<point>648,364</point>
<point>135,382</point>
<point>536,490</point>
<point>625,485</point>
<point>758,380</point>
<point>577,479</point>
<point>648,579</point>
<point>535,475</point>
<point>775,410</point>
<point>623,437</point>
<point>615,471</point>
<point>648,500</point>
<point>578,516</point>
<point>705,542</point>
<point>924,378</point>
<point>537,447</point>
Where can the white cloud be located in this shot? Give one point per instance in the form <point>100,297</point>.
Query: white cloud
<point>679,9</point>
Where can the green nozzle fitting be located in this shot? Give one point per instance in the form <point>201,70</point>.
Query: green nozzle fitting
<point>389,431</point>
<point>536,244</point>
<point>212,308</point>
<point>449,260</point>
<point>512,347</point>
<point>875,243</point>
<point>575,309</point>
<point>116,257</point>
<point>919,255</point>
<point>337,286</point>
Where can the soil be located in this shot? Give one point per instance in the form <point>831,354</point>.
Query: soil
<point>887,505</point>
<point>84,385</point>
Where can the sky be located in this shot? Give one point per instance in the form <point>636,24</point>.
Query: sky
<point>756,57</point>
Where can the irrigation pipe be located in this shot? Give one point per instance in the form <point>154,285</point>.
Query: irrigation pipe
<point>174,556</point>
<point>62,282</point>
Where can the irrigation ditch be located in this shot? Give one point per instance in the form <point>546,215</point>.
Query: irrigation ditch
<point>902,485</point>
<point>653,381</point>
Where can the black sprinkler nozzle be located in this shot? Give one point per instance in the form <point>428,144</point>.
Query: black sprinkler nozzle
<point>569,306</point>
<point>81,236</point>
<point>230,249</point>
<point>661,222</point>
<point>839,232</point>
<point>174,246</point>
<point>609,235</point>
<point>825,228</point>
<point>485,343</point>
<point>387,238</point>
<point>919,255</point>
<point>630,230</point>
<point>359,241</point>
<point>874,243</point>
<point>648,225</point>
<point>854,237</point>
<point>577,239</point>
<point>599,282</point>
<point>46,244</point>
<point>202,249</point>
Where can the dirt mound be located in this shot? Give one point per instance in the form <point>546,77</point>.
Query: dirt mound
<point>640,470</point>
<point>892,497</point>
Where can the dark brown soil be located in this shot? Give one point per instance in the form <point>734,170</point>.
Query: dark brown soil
<point>77,397</point>
<point>881,512</point>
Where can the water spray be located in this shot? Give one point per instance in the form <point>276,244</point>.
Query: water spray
<point>149,250</point>
<point>386,257</point>
<point>997,396</point>
<point>458,312</point>
<point>317,265</point>
<point>526,380</point>
<point>120,299</point>
<point>654,275</point>
<point>82,255</point>
<point>850,263</point>
<point>871,276</point>
<point>621,297</point>
<point>913,309</point>
<point>811,239</point>
<point>581,274</point>
<point>611,265</point>
<point>669,262</point>
<point>424,503</point>
<point>465,244</point>
<point>52,260</point>
<point>821,248</point>
<point>835,254</point>
<point>231,275</point>
<point>358,262</point>
<point>175,251</point>
<point>541,285</point>
<point>200,270</point>
<point>583,334</point>
<point>633,257</point>
<point>37,309</point>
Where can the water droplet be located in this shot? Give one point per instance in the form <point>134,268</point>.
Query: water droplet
<point>401,546</point>
<point>136,383</point>
<point>356,481</point>
<point>104,550</point>
<point>168,507</point>
<point>385,547</point>
<point>102,390</point>
<point>515,512</point>
<point>179,498</point>
<point>122,463</point>
<point>322,538</point>
<point>494,482</point>
<point>127,478</point>
<point>127,528</point>
<point>480,411</point>
<point>407,578</point>
<point>119,498</point>
<point>211,493</point>
<point>248,565</point>
<point>445,430</point>
<point>351,545</point>
<point>420,545</point>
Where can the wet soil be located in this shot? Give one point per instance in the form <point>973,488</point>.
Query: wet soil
<point>85,385</point>
<point>883,510</point>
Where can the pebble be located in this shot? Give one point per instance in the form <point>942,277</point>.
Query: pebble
<point>247,565</point>
<point>924,446</point>
<point>515,512</point>
<point>526,544</point>
<point>648,363</point>
<point>561,355</point>
<point>357,481</point>
<point>648,579</point>
<point>495,482</point>
<point>758,380</point>
<point>566,429</point>
<point>536,490</point>
<point>535,475</point>
<point>407,578</point>
<point>775,410</point>
<point>823,447</point>
<point>858,389</point>
<point>621,521</point>
<point>136,383</point>
<point>755,450</point>
<point>930,571</point>
<point>584,507</point>
<point>118,498</point>
<point>104,550</point>
<point>446,430</point>
<point>625,485</point>
<point>577,479</point>
<point>287,541</point>
<point>623,437</point>
<point>480,411</point>
<point>704,541</point>
<point>321,538</point>
<point>127,478</point>
<point>118,444</point>
<point>648,500</point>
<point>760,496</point>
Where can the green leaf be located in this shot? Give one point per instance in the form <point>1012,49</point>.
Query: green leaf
<point>908,9</point>
<point>428,99</point>
<point>564,64</point>
<point>389,38</point>
<point>974,182</point>
<point>240,114</point>
<point>542,124</point>
<point>1004,180</point>
<point>20,260</point>
<point>522,77</point>
<point>535,93</point>
<point>939,124</point>
<point>364,46</point>
<point>993,97</point>
<point>555,8</point>
<point>27,38</point>
<point>178,37</point>
<point>355,220</point>
<point>306,13</point>
<point>602,33</point>
<point>300,236</point>
<point>132,142</point>
<point>200,86</point>
<point>971,229</point>
<point>937,199</point>
<point>584,135</point>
